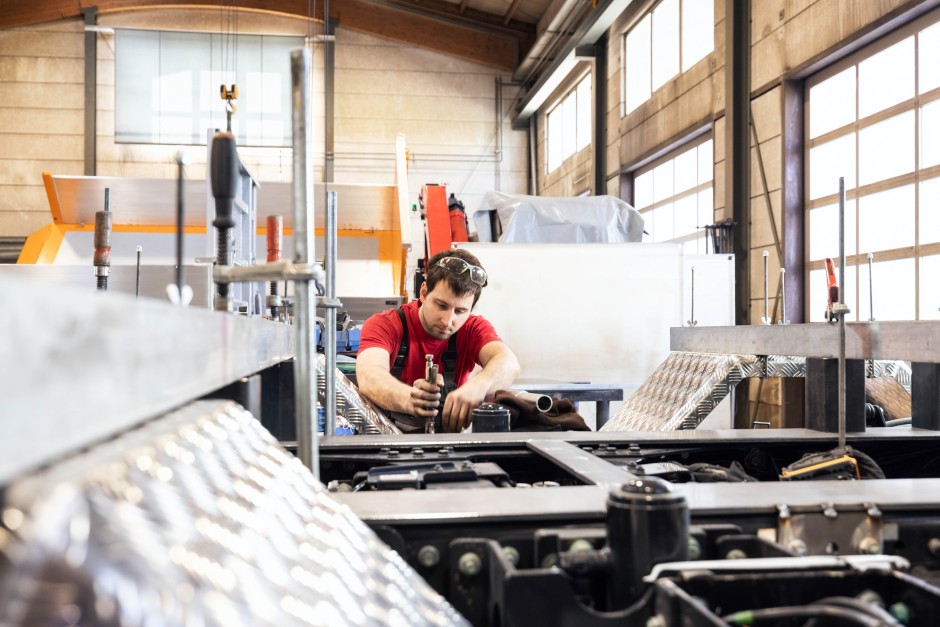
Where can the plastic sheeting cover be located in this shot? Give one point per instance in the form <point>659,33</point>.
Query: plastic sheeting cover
<point>526,219</point>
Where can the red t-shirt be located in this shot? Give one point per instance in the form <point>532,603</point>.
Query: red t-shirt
<point>383,330</point>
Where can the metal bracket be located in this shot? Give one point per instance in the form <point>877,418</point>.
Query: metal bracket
<point>825,530</point>
<point>274,271</point>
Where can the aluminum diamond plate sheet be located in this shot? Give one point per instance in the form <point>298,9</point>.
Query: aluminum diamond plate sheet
<point>197,518</point>
<point>670,398</point>
<point>685,388</point>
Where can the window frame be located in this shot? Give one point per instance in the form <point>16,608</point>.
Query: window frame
<point>647,16</point>
<point>569,97</point>
<point>248,124</point>
<point>856,263</point>
<point>692,142</point>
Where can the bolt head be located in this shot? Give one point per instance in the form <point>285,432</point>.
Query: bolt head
<point>469,564</point>
<point>429,556</point>
<point>798,547</point>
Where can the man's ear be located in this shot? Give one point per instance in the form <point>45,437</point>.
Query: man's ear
<point>423,292</point>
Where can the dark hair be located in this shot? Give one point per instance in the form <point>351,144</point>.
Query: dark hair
<point>460,284</point>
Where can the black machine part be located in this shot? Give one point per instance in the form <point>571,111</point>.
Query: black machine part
<point>647,524</point>
<point>490,417</point>
<point>430,475</point>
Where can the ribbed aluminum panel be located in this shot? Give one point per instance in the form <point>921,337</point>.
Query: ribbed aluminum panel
<point>669,398</point>
<point>197,518</point>
<point>897,370</point>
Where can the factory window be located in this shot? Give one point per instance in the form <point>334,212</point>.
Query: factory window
<point>671,38</point>
<point>674,195</point>
<point>569,125</point>
<point>874,120</point>
<point>167,87</point>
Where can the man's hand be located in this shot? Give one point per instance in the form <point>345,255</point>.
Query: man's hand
<point>460,403</point>
<point>425,398</point>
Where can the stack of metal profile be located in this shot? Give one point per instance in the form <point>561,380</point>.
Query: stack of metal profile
<point>197,518</point>
<point>353,407</point>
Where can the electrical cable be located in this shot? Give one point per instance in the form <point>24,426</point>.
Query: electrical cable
<point>867,608</point>
<point>750,617</point>
<point>868,467</point>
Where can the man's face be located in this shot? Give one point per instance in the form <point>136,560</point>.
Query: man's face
<point>442,312</point>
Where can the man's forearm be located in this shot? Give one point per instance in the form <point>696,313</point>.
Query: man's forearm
<point>500,371</point>
<point>386,391</point>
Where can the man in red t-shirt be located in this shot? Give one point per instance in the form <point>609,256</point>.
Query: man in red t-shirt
<point>454,282</point>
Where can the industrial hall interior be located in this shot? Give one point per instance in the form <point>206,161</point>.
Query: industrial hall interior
<point>503,313</point>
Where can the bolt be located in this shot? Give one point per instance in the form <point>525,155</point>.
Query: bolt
<point>871,597</point>
<point>443,452</point>
<point>736,554</point>
<point>869,545</point>
<point>417,452</point>
<point>469,564</point>
<point>933,545</point>
<point>429,556</point>
<point>695,549</point>
<point>656,620</point>
<point>798,547</point>
<point>550,560</point>
<point>784,511</point>
<point>512,555</point>
<point>580,546</point>
<point>393,453</point>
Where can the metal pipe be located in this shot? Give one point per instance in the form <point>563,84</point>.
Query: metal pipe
<point>498,151</point>
<point>304,381</point>
<point>180,162</point>
<point>766,318</point>
<point>137,285</point>
<point>330,340</point>
<point>543,402</point>
<point>842,316</point>
<point>783,297</point>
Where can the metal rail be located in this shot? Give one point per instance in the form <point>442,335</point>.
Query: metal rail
<point>908,340</point>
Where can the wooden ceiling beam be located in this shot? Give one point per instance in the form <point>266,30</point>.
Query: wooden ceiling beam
<point>472,40</point>
<point>511,11</point>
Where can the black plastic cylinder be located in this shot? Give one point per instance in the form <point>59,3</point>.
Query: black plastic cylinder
<point>647,524</point>
<point>490,417</point>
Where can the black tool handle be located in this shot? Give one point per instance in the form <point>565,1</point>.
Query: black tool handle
<point>224,176</point>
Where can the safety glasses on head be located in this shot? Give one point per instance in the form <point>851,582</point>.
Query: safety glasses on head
<point>459,266</point>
